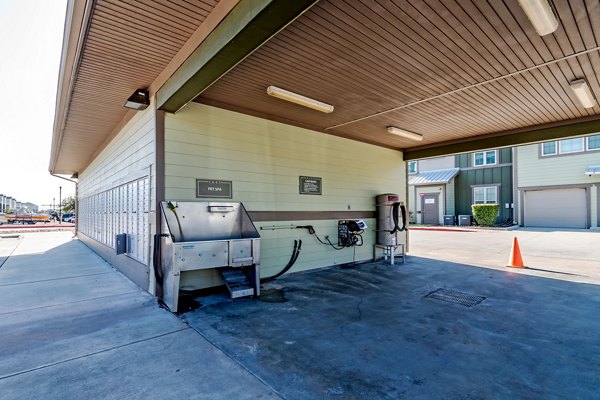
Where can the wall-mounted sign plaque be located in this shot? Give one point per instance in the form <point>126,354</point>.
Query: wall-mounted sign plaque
<point>214,188</point>
<point>310,185</point>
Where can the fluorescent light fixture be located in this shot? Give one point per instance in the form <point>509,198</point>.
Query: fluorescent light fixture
<point>401,132</point>
<point>541,16</point>
<point>299,99</point>
<point>139,100</point>
<point>583,93</point>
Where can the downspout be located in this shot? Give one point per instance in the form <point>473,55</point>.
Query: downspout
<point>76,197</point>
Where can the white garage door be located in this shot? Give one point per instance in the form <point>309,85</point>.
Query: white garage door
<point>559,208</point>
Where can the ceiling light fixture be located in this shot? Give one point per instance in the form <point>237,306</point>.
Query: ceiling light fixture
<point>401,132</point>
<point>583,93</point>
<point>139,100</point>
<point>540,15</point>
<point>296,98</point>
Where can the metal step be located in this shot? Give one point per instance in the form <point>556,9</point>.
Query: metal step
<point>237,282</point>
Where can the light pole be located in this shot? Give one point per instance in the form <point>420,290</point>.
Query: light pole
<point>59,205</point>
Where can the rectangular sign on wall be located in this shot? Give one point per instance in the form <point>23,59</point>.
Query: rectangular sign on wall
<point>310,185</point>
<point>214,188</point>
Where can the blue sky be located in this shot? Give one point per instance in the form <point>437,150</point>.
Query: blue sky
<point>31,34</point>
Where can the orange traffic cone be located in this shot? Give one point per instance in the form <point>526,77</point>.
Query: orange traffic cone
<point>515,260</point>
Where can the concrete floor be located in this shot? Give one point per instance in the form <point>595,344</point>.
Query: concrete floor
<point>368,332</point>
<point>72,327</point>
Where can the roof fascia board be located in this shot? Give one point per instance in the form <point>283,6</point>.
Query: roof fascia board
<point>531,135</point>
<point>250,24</point>
<point>78,15</point>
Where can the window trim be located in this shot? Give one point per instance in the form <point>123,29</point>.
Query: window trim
<point>485,188</point>
<point>582,140</point>
<point>558,153</point>
<point>549,154</point>
<point>485,163</point>
<point>587,143</point>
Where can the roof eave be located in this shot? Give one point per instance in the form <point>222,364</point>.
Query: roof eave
<point>77,19</point>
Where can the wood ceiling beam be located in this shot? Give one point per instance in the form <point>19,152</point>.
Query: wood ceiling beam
<point>556,131</point>
<point>250,24</point>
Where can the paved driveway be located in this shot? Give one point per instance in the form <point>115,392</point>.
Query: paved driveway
<point>564,254</point>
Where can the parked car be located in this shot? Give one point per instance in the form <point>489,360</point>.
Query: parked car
<point>68,218</point>
<point>3,219</point>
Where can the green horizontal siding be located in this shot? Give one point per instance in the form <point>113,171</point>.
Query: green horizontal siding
<point>565,169</point>
<point>264,160</point>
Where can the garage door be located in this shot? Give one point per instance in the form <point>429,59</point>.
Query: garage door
<point>560,208</point>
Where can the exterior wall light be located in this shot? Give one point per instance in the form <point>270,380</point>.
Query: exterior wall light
<point>540,15</point>
<point>139,100</point>
<point>296,98</point>
<point>406,134</point>
<point>583,93</point>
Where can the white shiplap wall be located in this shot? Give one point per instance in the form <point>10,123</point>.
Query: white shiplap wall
<point>264,159</point>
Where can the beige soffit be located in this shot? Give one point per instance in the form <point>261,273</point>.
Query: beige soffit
<point>111,48</point>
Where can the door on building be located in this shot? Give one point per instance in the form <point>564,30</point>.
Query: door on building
<point>556,208</point>
<point>429,209</point>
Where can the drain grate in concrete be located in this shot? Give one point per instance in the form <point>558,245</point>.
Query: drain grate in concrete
<point>455,297</point>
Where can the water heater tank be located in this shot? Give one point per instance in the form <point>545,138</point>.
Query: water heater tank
<point>387,218</point>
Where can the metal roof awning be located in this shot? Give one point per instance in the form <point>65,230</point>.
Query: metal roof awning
<point>593,170</point>
<point>436,177</point>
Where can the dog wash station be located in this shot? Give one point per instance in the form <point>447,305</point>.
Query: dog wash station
<point>220,235</point>
<point>206,235</point>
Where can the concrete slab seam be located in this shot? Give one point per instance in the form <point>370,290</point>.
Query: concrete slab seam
<point>70,302</point>
<point>54,279</point>
<point>11,253</point>
<point>90,354</point>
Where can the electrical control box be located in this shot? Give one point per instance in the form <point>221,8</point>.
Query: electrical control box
<point>349,232</point>
<point>121,243</point>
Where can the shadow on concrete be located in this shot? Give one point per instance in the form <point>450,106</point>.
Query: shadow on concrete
<point>370,332</point>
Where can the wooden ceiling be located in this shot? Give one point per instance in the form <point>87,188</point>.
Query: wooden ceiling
<point>128,44</point>
<point>449,70</point>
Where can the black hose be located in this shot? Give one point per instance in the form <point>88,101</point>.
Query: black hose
<point>395,217</point>
<point>291,262</point>
<point>156,260</point>
<point>403,211</point>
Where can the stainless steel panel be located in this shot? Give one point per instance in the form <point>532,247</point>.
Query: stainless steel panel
<point>200,221</point>
<point>385,221</point>
<point>240,253</point>
<point>204,235</point>
<point>201,255</point>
